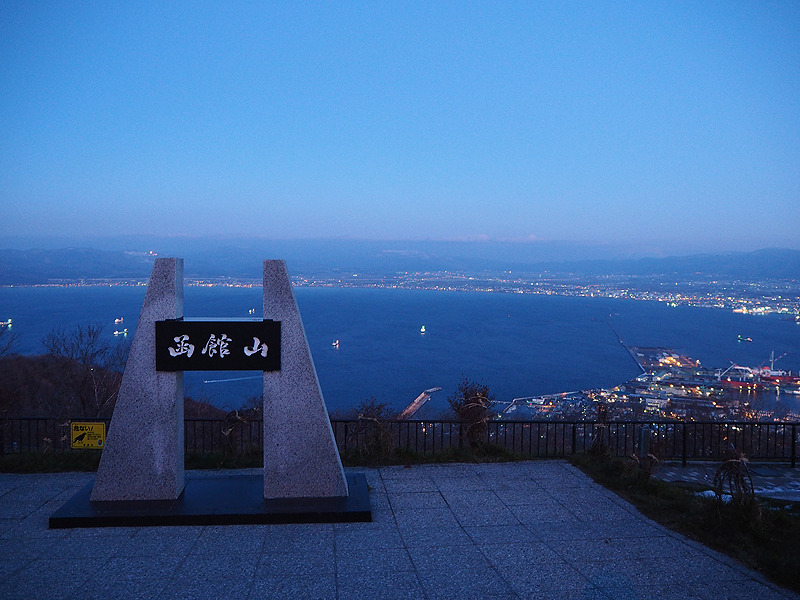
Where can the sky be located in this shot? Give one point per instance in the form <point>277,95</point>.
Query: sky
<point>646,123</point>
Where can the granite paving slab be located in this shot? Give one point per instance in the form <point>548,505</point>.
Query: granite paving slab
<point>530,530</point>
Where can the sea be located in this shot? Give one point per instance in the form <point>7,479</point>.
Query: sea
<point>519,345</point>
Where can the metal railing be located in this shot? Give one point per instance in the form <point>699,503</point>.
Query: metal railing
<point>684,441</point>
<point>37,434</point>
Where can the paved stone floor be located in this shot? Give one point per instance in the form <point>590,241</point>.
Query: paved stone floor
<point>530,530</point>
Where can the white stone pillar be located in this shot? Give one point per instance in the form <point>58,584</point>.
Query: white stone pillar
<point>300,455</point>
<point>143,455</point>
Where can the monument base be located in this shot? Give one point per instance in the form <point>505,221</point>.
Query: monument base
<point>216,500</point>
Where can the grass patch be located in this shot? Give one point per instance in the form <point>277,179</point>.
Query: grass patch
<point>765,537</point>
<point>60,462</point>
<point>89,460</point>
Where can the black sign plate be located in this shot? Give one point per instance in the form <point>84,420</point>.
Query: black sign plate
<point>218,345</point>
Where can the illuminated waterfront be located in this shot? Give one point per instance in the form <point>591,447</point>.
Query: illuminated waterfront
<point>757,297</point>
<point>521,345</point>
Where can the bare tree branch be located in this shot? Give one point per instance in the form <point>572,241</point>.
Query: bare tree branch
<point>8,340</point>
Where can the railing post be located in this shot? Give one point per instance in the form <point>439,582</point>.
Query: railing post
<point>794,446</point>
<point>574,438</point>
<point>644,440</point>
<point>683,452</point>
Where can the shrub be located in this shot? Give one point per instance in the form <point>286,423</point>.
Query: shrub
<point>232,428</point>
<point>376,440</point>
<point>641,468</point>
<point>733,477</point>
<point>472,404</point>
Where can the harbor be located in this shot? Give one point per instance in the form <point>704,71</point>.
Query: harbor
<point>673,386</point>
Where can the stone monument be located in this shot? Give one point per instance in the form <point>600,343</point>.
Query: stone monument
<point>141,478</point>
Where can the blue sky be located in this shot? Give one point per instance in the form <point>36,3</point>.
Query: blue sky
<point>672,123</point>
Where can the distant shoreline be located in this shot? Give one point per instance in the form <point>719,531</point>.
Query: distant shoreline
<point>776,297</point>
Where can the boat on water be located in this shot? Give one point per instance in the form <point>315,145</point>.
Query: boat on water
<point>738,377</point>
<point>751,378</point>
<point>779,377</point>
<point>772,376</point>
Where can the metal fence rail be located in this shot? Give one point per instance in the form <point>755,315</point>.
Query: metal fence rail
<point>685,441</point>
<point>37,434</point>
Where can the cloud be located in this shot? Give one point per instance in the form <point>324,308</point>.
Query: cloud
<point>526,238</point>
<point>478,237</point>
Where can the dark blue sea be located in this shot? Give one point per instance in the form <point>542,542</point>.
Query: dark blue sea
<point>519,345</point>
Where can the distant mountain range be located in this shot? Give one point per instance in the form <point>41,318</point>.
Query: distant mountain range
<point>214,258</point>
<point>768,263</point>
<point>29,267</point>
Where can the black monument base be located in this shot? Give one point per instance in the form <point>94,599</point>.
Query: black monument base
<point>222,500</point>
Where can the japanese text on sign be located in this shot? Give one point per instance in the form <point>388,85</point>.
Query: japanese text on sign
<point>87,435</point>
<point>217,345</point>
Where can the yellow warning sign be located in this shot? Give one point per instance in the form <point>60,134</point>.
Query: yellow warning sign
<point>87,435</point>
